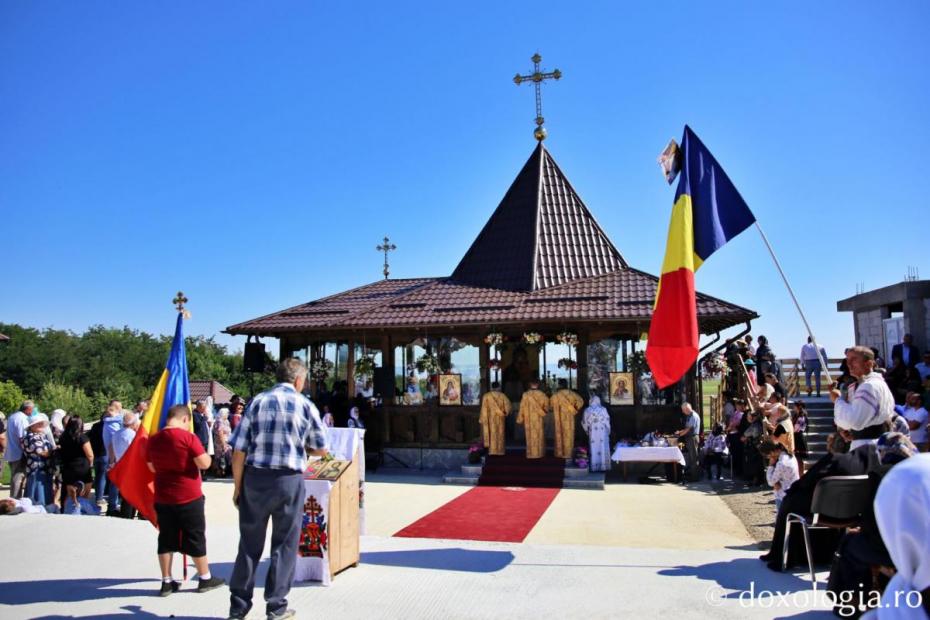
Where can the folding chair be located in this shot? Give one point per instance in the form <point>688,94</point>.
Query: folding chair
<point>845,498</point>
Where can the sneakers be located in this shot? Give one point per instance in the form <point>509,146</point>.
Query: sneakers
<point>281,615</point>
<point>205,585</point>
<point>168,587</point>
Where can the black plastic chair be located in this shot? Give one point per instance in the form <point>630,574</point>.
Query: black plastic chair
<point>843,498</point>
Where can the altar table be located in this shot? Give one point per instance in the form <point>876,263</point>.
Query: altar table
<point>648,454</point>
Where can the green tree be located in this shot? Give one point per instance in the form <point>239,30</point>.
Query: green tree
<point>107,363</point>
<point>11,397</point>
<point>56,395</point>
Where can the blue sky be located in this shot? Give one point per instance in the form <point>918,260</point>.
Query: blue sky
<point>253,154</point>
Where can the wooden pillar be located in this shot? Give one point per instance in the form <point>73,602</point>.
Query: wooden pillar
<point>387,399</point>
<point>484,358</point>
<point>582,355</point>
<point>350,368</point>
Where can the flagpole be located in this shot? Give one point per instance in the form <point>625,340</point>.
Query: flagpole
<point>784,278</point>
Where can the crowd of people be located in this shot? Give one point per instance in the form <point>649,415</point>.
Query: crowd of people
<point>878,424</point>
<point>58,465</point>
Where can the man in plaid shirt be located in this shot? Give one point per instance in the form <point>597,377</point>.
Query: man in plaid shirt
<point>280,428</point>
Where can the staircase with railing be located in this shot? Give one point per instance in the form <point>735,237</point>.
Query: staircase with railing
<point>820,409</point>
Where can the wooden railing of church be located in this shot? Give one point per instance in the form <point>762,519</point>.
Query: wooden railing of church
<point>793,372</point>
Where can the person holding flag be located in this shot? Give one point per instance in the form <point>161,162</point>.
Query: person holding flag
<point>162,472</point>
<point>176,457</point>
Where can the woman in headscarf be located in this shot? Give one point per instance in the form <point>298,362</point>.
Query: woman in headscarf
<point>222,451</point>
<point>354,420</point>
<point>902,505</point>
<point>328,418</point>
<point>596,423</point>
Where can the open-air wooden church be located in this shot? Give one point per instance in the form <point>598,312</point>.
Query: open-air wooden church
<point>542,292</point>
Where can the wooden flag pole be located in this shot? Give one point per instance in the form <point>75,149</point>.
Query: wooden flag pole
<point>823,362</point>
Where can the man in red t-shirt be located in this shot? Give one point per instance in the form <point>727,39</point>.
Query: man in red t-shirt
<point>177,456</point>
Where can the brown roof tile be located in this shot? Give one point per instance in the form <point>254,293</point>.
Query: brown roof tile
<point>541,257</point>
<point>625,296</point>
<point>201,389</point>
<point>540,235</point>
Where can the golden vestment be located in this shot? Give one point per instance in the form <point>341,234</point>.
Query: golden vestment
<point>495,406</point>
<point>533,408</point>
<point>565,405</point>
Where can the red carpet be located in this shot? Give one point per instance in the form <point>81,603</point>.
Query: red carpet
<point>515,470</point>
<point>500,514</point>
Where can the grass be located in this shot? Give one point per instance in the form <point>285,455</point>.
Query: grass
<point>5,477</point>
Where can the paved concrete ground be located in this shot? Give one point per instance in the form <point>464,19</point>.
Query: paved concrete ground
<point>631,551</point>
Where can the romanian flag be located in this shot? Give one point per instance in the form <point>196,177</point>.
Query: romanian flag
<point>708,212</point>
<point>131,474</point>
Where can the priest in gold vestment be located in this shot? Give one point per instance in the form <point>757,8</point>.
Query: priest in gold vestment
<point>566,404</point>
<point>495,407</point>
<point>533,408</point>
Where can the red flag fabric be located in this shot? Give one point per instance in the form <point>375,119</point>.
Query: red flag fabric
<point>133,478</point>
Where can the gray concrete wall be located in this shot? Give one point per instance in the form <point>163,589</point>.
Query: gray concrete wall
<point>869,329</point>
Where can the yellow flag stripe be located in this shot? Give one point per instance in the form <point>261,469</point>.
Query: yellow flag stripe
<point>152,420</point>
<point>679,247</point>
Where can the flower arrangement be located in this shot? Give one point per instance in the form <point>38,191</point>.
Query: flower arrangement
<point>581,457</point>
<point>494,338</point>
<point>321,370</point>
<point>532,338</point>
<point>715,365</point>
<point>568,338</point>
<point>637,363</point>
<point>475,452</point>
<point>364,367</point>
<point>429,364</point>
<point>569,363</point>
<point>494,364</point>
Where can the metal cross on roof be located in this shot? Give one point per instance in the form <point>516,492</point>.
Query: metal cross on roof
<point>537,77</point>
<point>386,247</point>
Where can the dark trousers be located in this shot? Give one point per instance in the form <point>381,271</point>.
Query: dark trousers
<point>126,510</point>
<point>714,458</point>
<point>279,495</point>
<point>691,457</point>
<point>736,453</point>
<point>851,572</point>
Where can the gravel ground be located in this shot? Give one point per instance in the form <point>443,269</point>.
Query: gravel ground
<point>755,507</point>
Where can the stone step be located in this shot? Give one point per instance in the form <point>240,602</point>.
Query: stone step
<point>570,472</point>
<point>587,480</point>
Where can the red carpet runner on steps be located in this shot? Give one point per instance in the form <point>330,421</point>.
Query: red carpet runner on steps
<point>501,508</point>
<point>500,514</point>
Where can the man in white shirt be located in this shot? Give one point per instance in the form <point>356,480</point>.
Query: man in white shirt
<point>121,441</point>
<point>112,424</point>
<point>924,367</point>
<point>916,417</point>
<point>811,363</point>
<point>16,426</point>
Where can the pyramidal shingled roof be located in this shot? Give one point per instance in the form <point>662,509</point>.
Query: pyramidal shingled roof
<point>540,235</point>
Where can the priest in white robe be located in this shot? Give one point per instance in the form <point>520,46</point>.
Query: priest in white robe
<point>596,423</point>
